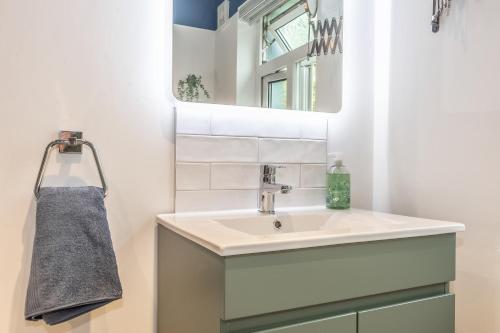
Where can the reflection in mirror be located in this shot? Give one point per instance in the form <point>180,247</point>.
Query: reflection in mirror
<point>280,54</point>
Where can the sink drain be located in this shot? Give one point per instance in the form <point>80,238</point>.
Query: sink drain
<point>277,224</point>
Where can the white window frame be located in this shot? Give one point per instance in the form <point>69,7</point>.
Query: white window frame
<point>289,62</point>
<point>275,77</point>
<point>285,64</point>
<point>306,104</point>
<point>295,13</point>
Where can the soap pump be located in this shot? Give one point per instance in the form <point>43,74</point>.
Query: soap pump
<point>338,183</point>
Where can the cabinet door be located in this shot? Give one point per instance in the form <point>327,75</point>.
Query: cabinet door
<point>256,284</point>
<point>340,324</point>
<point>430,315</point>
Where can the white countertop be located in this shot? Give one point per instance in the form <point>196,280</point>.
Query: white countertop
<point>247,231</point>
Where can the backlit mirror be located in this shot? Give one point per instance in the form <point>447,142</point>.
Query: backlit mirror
<point>280,54</point>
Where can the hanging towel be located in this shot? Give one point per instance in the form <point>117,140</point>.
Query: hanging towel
<point>73,266</point>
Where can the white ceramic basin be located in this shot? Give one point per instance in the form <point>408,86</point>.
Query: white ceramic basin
<point>244,232</point>
<point>277,224</point>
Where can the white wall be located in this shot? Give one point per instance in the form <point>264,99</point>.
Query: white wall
<point>248,55</point>
<point>442,128</point>
<point>194,53</point>
<point>101,67</point>
<point>226,48</point>
<point>351,130</point>
<point>444,134</point>
<point>226,59</point>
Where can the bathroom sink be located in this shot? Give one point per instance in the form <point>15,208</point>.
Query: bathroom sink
<point>276,224</point>
<point>243,232</point>
<point>333,223</point>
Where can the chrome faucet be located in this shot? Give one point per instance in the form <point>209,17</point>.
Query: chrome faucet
<point>268,188</point>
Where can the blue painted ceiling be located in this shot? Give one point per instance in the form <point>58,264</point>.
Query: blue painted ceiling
<point>201,13</point>
<point>234,5</point>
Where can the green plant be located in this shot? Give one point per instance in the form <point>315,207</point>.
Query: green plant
<point>189,89</point>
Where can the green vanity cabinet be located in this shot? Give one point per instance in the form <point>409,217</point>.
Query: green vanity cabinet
<point>388,286</point>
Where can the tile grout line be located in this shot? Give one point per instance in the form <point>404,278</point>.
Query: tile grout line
<point>250,137</point>
<point>258,153</point>
<point>300,175</point>
<point>210,176</point>
<point>245,189</point>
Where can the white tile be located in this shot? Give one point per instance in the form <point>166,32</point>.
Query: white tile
<point>235,123</point>
<point>235,176</point>
<point>313,175</point>
<point>192,119</point>
<point>192,176</point>
<point>279,124</point>
<point>254,122</point>
<point>314,127</point>
<point>289,175</point>
<point>199,201</point>
<point>292,151</point>
<point>301,197</point>
<point>191,148</point>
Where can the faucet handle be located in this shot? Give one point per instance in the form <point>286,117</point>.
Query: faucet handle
<point>269,170</point>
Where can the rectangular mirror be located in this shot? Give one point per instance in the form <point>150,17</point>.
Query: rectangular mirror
<point>280,54</point>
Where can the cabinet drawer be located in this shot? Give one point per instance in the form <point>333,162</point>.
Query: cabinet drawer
<point>340,324</point>
<point>431,315</point>
<point>272,282</point>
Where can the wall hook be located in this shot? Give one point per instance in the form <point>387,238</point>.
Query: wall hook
<point>439,7</point>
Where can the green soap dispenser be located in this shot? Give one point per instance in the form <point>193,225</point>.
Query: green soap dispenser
<point>338,183</point>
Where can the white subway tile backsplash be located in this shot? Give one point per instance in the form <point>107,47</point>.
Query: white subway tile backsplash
<point>292,151</point>
<point>234,123</point>
<point>219,152</point>
<point>193,120</point>
<point>199,201</point>
<point>233,176</point>
<point>302,197</point>
<point>210,119</point>
<point>289,175</point>
<point>192,176</point>
<point>270,123</point>
<point>313,175</point>
<point>275,125</point>
<point>196,148</point>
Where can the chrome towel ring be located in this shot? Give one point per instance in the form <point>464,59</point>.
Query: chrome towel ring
<point>69,142</point>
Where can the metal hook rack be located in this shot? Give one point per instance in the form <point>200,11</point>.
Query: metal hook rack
<point>439,7</point>
<point>327,34</point>
<point>69,142</point>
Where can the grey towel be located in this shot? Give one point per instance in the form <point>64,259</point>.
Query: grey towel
<point>73,266</point>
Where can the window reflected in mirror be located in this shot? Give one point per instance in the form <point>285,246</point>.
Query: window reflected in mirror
<point>275,92</point>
